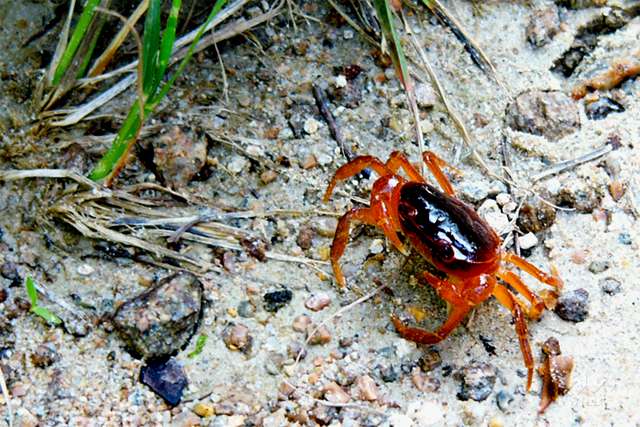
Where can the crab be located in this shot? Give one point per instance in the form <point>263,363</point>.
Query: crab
<point>451,236</point>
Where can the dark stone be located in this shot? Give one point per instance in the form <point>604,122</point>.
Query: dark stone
<point>504,400</point>
<point>388,373</point>
<point>275,300</point>
<point>430,360</point>
<point>161,321</point>
<point>44,356</point>
<point>477,381</point>
<point>9,271</point>
<point>166,379</point>
<point>551,114</point>
<point>246,309</point>
<point>601,108</point>
<point>573,305</point>
<point>488,345</point>
<point>610,286</point>
<point>543,26</point>
<point>535,217</point>
<point>625,238</point>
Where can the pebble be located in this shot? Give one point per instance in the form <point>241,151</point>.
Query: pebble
<point>376,246</point>
<point>610,286</point>
<point>166,378</point>
<point>503,198</point>
<point>326,227</point>
<point>601,108</point>
<point>430,360</point>
<point>275,300</point>
<point>160,321</point>
<point>504,400</point>
<point>573,306</point>
<point>44,356</point>
<point>598,266</point>
<point>311,126</point>
<point>367,387</point>
<point>237,164</point>
<point>320,337</point>
<point>85,270</point>
<point>535,217</point>
<point>423,382</point>
<point>496,422</point>
<point>305,237</point>
<point>341,81</point>
<point>388,373</point>
<point>499,222</point>
<point>268,176</point>
<point>527,241</point>
<point>246,309</point>
<point>318,302</point>
<point>335,394</point>
<point>301,323</point>
<point>348,34</point>
<point>543,26</point>
<point>236,337</point>
<point>425,95</point>
<point>477,381</point>
<point>204,410</point>
<point>551,114</point>
<point>179,156</point>
<point>309,162</point>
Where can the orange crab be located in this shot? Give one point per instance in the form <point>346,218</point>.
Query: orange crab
<point>450,235</point>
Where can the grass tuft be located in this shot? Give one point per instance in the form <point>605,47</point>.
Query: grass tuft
<point>43,312</point>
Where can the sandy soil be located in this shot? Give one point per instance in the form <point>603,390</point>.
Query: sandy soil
<point>94,381</point>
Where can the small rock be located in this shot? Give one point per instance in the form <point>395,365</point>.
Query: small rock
<point>236,337</point>
<point>543,26</point>
<point>335,394</point>
<point>275,300</point>
<point>367,387</point>
<point>504,400</point>
<point>268,176</point>
<point>326,227</point>
<point>301,323</point>
<point>499,222</point>
<point>166,378</point>
<point>425,95</point>
<point>85,270</point>
<point>423,382</point>
<point>161,321</point>
<point>376,247</point>
<point>388,373</point>
<point>44,356</point>
<point>496,422</point>
<point>204,410</point>
<point>309,162</point>
<point>430,360</point>
<point>237,164</point>
<point>581,195</point>
<point>551,114</point>
<point>573,306</point>
<point>246,309</point>
<point>179,157</point>
<point>527,241</point>
<point>341,81</point>
<point>610,286</point>
<point>9,271</point>
<point>625,238</point>
<point>601,108</point>
<point>305,237</point>
<point>503,198</point>
<point>536,217</point>
<point>318,302</point>
<point>598,266</point>
<point>274,363</point>
<point>311,126</point>
<point>320,337</point>
<point>477,381</point>
<point>296,350</point>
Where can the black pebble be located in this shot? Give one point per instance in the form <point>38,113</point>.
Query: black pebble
<point>166,379</point>
<point>275,300</point>
<point>573,306</point>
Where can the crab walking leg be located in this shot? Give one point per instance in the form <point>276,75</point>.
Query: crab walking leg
<point>397,160</point>
<point>435,165</point>
<point>365,215</point>
<point>354,167</point>
<point>507,299</point>
<point>526,266</point>
<point>446,290</point>
<point>537,305</point>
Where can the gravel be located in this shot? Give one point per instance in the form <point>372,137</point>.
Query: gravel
<point>573,306</point>
<point>476,381</point>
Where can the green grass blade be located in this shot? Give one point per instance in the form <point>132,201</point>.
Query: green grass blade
<point>78,35</point>
<point>31,291</point>
<point>385,16</point>
<point>48,316</point>
<point>202,340</point>
<point>169,37</point>
<point>151,48</point>
<point>120,145</point>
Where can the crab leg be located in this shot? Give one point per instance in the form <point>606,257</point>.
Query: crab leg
<point>537,305</point>
<point>435,165</point>
<point>550,279</point>
<point>354,167</point>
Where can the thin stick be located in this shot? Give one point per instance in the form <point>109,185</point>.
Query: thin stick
<point>7,397</point>
<point>322,104</point>
<point>569,164</point>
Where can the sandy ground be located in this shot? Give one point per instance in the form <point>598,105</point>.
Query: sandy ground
<point>95,382</point>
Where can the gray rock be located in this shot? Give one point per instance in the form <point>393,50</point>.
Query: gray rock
<point>477,381</point>
<point>161,321</point>
<point>543,26</point>
<point>573,306</point>
<point>598,266</point>
<point>551,114</point>
<point>167,379</point>
<point>504,400</point>
<point>610,286</point>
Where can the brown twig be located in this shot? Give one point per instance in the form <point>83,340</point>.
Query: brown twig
<point>334,130</point>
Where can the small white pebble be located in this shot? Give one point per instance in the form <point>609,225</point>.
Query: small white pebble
<point>324,159</point>
<point>509,207</point>
<point>488,206</point>
<point>311,126</point>
<point>425,95</point>
<point>503,198</point>
<point>341,81</point>
<point>236,164</point>
<point>498,221</point>
<point>348,34</point>
<point>85,270</point>
<point>376,246</point>
<point>527,241</point>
